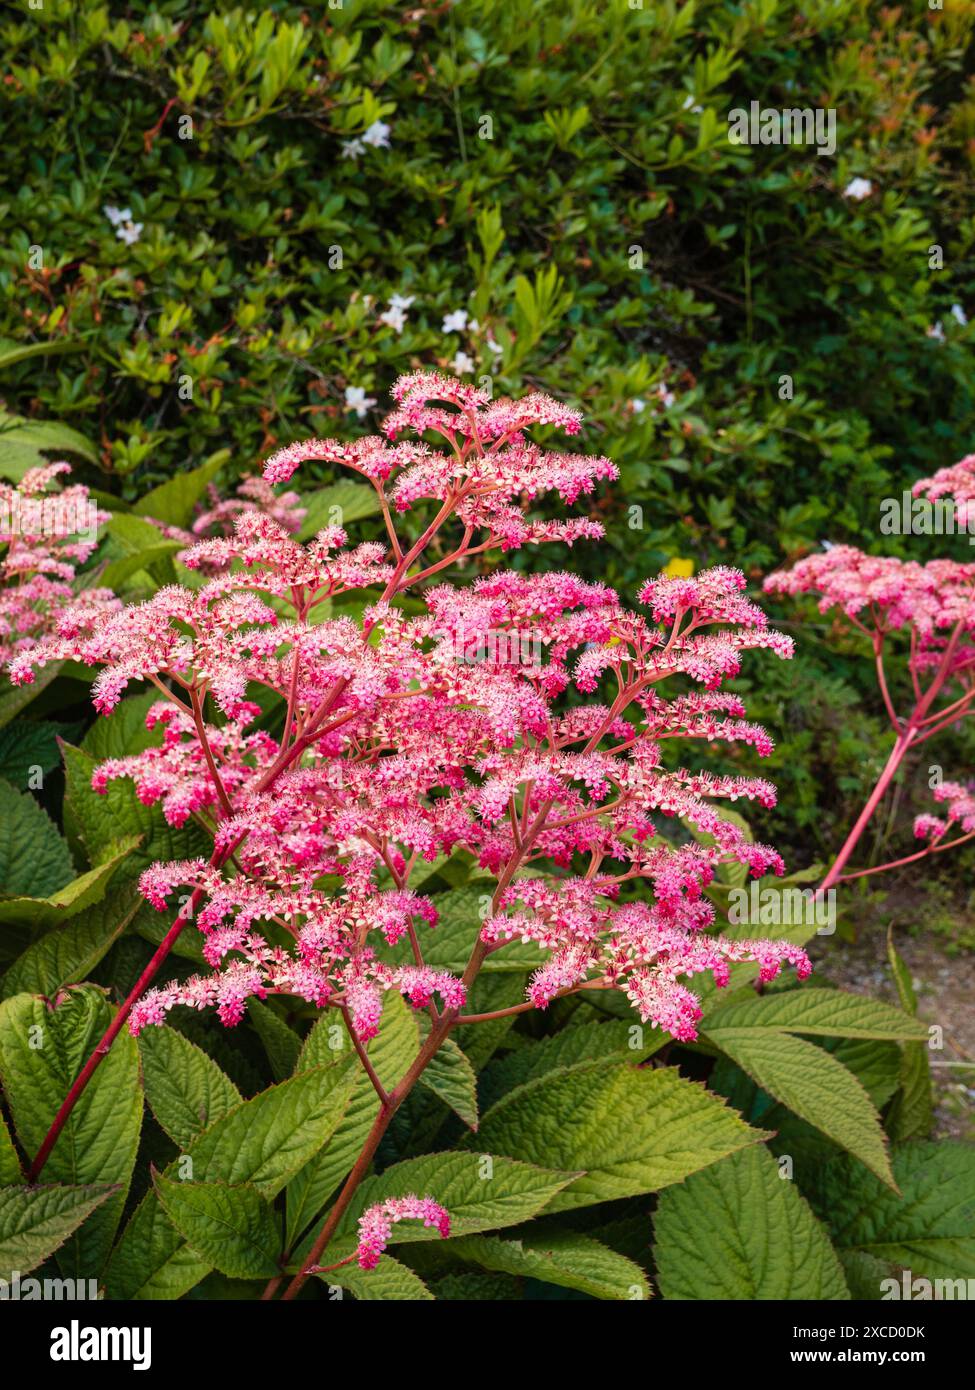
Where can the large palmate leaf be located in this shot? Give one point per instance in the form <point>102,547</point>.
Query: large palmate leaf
<point>927,1227</point>
<point>663,1127</point>
<point>739,1230</point>
<point>36,1221</point>
<point>813,1084</point>
<point>41,1052</point>
<point>34,859</point>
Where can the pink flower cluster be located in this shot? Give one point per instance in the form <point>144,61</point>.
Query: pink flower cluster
<point>956,482</point>
<point>960,812</point>
<point>48,532</point>
<point>880,592</point>
<point>491,466</point>
<point>547,766</point>
<point>376,1223</point>
<point>218,518</point>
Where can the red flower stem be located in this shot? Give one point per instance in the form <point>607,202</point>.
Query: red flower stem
<point>913,732</point>
<point>363,1056</point>
<point>897,753</point>
<point>363,1163</point>
<point>908,858</point>
<point>114,1028</point>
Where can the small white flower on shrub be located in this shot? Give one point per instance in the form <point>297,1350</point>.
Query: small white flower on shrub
<point>357,400</point>
<point>858,189</point>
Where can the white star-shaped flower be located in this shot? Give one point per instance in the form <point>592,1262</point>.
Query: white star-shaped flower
<point>377,135</point>
<point>357,400</point>
<point>395,317</point>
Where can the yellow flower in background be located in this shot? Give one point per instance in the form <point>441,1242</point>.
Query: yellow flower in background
<point>678,568</point>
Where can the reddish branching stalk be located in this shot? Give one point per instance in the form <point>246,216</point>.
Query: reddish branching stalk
<point>399,747</point>
<point>933,605</point>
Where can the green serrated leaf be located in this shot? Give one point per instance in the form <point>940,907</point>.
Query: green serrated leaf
<point>233,1228</point>
<point>568,1259</point>
<point>663,1128</point>
<point>124,731</point>
<point>450,1077</point>
<point>281,1043</point>
<point>389,1282</point>
<point>448,946</point>
<point>611,1041</point>
<point>390,1053</point>
<point>81,893</point>
<point>912,1113</point>
<point>34,859</point>
<point>118,572</point>
<point>337,505</point>
<point>263,1142</point>
<point>68,954</point>
<point>185,1089</point>
<point>29,745</point>
<point>927,1227</point>
<point>9,1162</point>
<point>175,500</point>
<point>41,1052</point>
<point>152,1260</point>
<point>480,1192</point>
<point>36,1221</point>
<point>740,1231</point>
<point>815,1086</point>
<point>102,821</point>
<point>828,1013</point>
<point>15,698</point>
